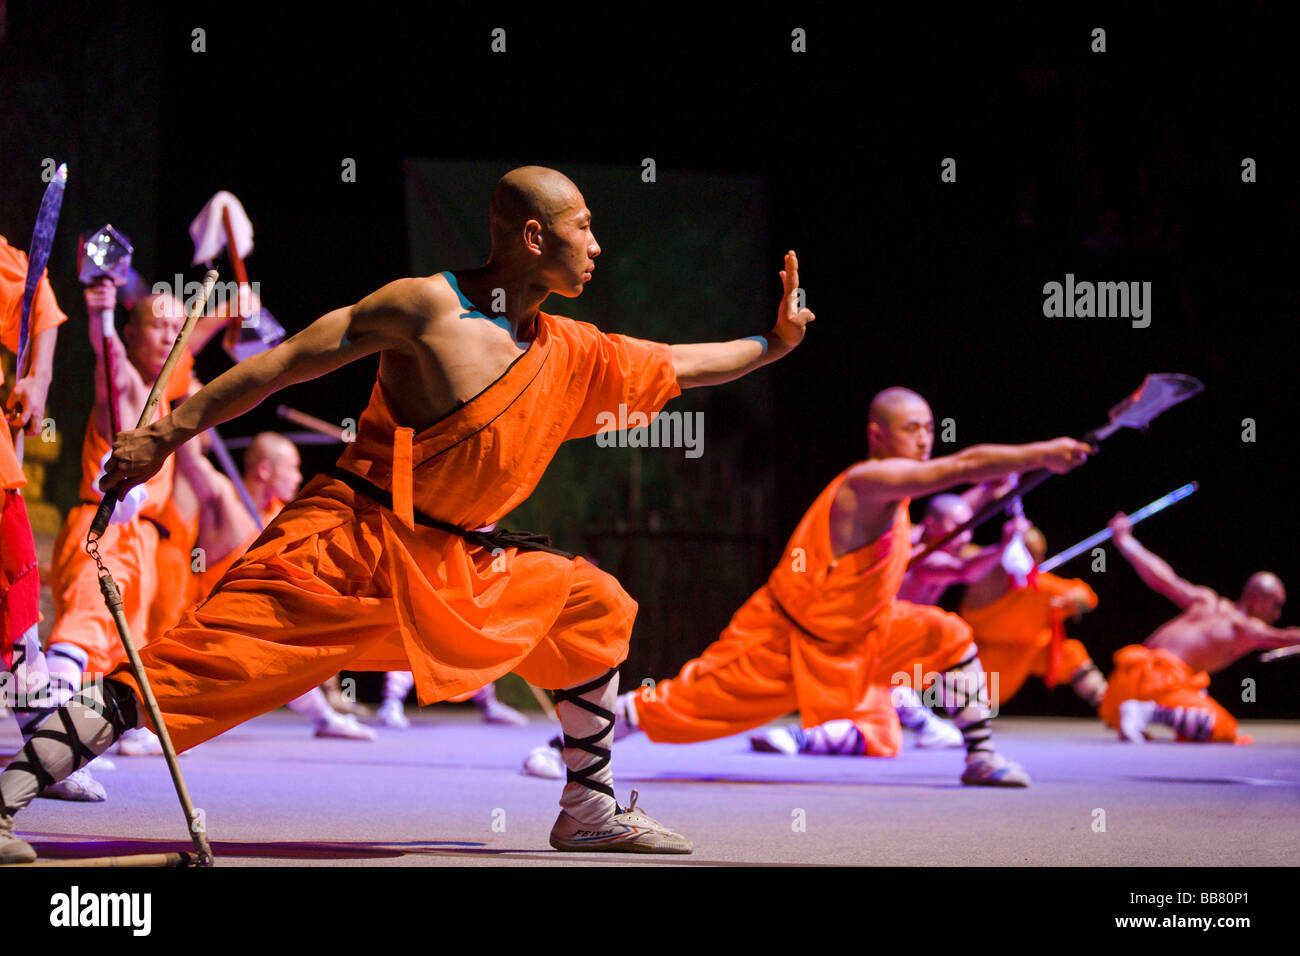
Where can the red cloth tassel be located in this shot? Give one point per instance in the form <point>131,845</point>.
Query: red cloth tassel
<point>1054,650</point>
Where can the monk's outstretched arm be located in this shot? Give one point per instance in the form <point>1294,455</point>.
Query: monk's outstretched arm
<point>381,321</point>
<point>1268,638</point>
<point>712,363</point>
<point>895,478</point>
<point>1154,571</point>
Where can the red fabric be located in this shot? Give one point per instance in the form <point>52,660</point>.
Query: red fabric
<point>20,584</point>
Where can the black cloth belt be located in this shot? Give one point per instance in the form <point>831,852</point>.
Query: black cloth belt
<point>497,538</point>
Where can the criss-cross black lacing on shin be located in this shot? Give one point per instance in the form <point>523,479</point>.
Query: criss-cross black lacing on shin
<point>117,709</point>
<point>590,743</point>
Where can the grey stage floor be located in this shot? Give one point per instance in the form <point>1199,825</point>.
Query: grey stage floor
<point>449,791</point>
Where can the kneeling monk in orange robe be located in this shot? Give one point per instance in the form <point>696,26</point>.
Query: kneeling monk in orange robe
<point>1163,681</point>
<point>827,626</point>
<point>876,729</point>
<point>1020,631</point>
<point>372,568</point>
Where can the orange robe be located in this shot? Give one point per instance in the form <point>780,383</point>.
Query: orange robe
<point>1143,673</point>
<point>46,314</point>
<point>178,584</point>
<point>208,578</point>
<point>337,582</point>
<point>814,638</point>
<point>1014,635</point>
<point>20,584</point>
<point>129,551</point>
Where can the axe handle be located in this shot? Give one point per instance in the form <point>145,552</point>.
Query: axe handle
<point>236,260</point>
<point>110,378</point>
<point>310,421</point>
<point>241,276</point>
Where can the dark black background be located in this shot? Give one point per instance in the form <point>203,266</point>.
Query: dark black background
<point>914,281</point>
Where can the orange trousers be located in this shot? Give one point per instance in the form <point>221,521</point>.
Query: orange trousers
<point>1142,673</point>
<point>129,551</point>
<point>763,667</point>
<point>313,596</point>
<point>1009,665</point>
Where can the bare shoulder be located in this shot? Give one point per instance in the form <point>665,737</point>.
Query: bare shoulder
<point>423,302</point>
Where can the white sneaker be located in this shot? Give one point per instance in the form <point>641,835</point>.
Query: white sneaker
<point>627,831</point>
<point>12,849</point>
<point>544,761</point>
<point>78,786</point>
<point>139,742</point>
<point>393,715</point>
<point>777,740</point>
<point>343,727</point>
<point>1134,718</point>
<point>937,734</point>
<point>984,769</point>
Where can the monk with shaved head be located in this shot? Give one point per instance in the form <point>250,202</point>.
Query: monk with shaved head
<point>1163,681</point>
<point>876,728</point>
<point>377,565</point>
<point>828,625</point>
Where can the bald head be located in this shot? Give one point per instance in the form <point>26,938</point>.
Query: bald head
<point>268,446</point>
<point>1263,596</point>
<point>900,425</point>
<point>151,327</point>
<point>946,513</point>
<point>272,468</point>
<point>892,402</point>
<point>529,192</point>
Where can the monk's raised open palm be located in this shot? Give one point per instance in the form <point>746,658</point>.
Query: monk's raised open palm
<point>792,318</point>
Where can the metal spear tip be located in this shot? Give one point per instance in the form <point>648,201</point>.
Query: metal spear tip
<point>104,252</point>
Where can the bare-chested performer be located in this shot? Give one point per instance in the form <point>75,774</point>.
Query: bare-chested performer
<point>1163,681</point>
<point>371,567</point>
<point>828,624</point>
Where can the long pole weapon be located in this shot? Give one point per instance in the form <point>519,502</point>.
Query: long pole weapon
<point>1160,504</point>
<point>113,597</point>
<point>1157,394</point>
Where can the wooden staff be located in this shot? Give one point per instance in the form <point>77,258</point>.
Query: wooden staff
<point>113,597</point>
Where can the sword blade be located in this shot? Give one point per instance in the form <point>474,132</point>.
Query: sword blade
<point>38,256</point>
<point>1160,504</point>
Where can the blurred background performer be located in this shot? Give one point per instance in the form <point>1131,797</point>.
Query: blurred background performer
<point>828,624</point>
<point>1163,681</point>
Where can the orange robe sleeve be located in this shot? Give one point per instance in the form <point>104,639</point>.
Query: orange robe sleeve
<point>623,376</point>
<point>46,314</point>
